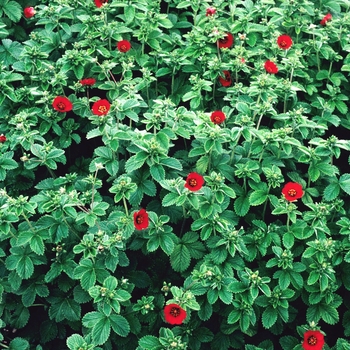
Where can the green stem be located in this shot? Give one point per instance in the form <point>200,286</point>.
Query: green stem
<point>257,105</point>
<point>71,228</point>
<point>259,121</point>
<point>125,206</point>
<point>330,69</point>
<point>173,80</point>
<point>4,346</point>
<point>285,103</point>
<point>265,205</point>
<point>29,223</point>
<point>184,220</point>
<point>288,219</point>
<point>51,172</point>
<point>93,189</point>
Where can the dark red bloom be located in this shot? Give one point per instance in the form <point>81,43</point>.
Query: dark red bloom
<point>292,191</point>
<point>270,67</point>
<point>325,19</point>
<point>226,41</point>
<point>2,138</point>
<point>284,42</point>
<point>313,340</point>
<point>210,11</point>
<point>194,182</point>
<point>174,314</point>
<point>218,117</point>
<point>87,81</point>
<point>101,107</point>
<point>124,46</point>
<point>29,12</point>
<point>62,104</point>
<point>141,219</point>
<point>226,80</point>
<point>99,3</point>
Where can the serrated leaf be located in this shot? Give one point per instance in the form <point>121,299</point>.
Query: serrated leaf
<point>331,191</point>
<point>344,183</point>
<point>120,325</point>
<point>101,331</point>
<point>149,342</point>
<point>13,11</point>
<point>75,341</point>
<point>258,197</point>
<point>180,258</point>
<point>269,317</point>
<point>18,344</point>
<point>242,205</point>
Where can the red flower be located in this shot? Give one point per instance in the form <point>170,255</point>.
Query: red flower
<point>284,41</point>
<point>225,81</point>
<point>124,46</point>
<point>87,81</point>
<point>226,42</point>
<point>99,3</point>
<point>210,11</point>
<point>270,67</point>
<point>141,219</point>
<point>292,191</point>
<point>194,182</point>
<point>174,314</point>
<point>313,340</point>
<point>29,12</point>
<point>2,138</point>
<point>218,117</point>
<point>62,104</point>
<point>325,19</point>
<point>101,107</point>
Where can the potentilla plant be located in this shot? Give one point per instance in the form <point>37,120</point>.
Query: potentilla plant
<point>174,175</point>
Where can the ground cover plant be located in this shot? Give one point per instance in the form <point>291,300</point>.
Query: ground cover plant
<point>174,174</point>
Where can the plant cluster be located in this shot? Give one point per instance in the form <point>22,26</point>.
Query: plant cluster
<point>174,174</point>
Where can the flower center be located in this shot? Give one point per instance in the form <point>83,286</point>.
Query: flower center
<point>217,119</point>
<point>124,48</point>
<point>139,219</point>
<point>193,182</point>
<point>292,192</point>
<point>283,43</point>
<point>102,109</point>
<point>312,340</point>
<point>61,106</point>
<point>175,311</point>
<point>224,40</point>
<point>227,76</point>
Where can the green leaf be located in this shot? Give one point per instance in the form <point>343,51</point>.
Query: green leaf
<point>75,341</point>
<point>331,191</point>
<point>242,205</point>
<point>171,163</point>
<point>269,317</point>
<point>288,342</point>
<point>205,311</point>
<point>157,172</point>
<point>258,197</point>
<point>149,342</point>
<point>180,258</point>
<point>120,325</point>
<point>18,344</point>
<point>13,11</point>
<point>170,199</point>
<point>344,183</point>
<point>101,331</point>
<point>129,13</point>
<point>10,51</point>
<point>166,243</point>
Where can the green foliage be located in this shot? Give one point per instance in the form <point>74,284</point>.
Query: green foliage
<point>106,217</point>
